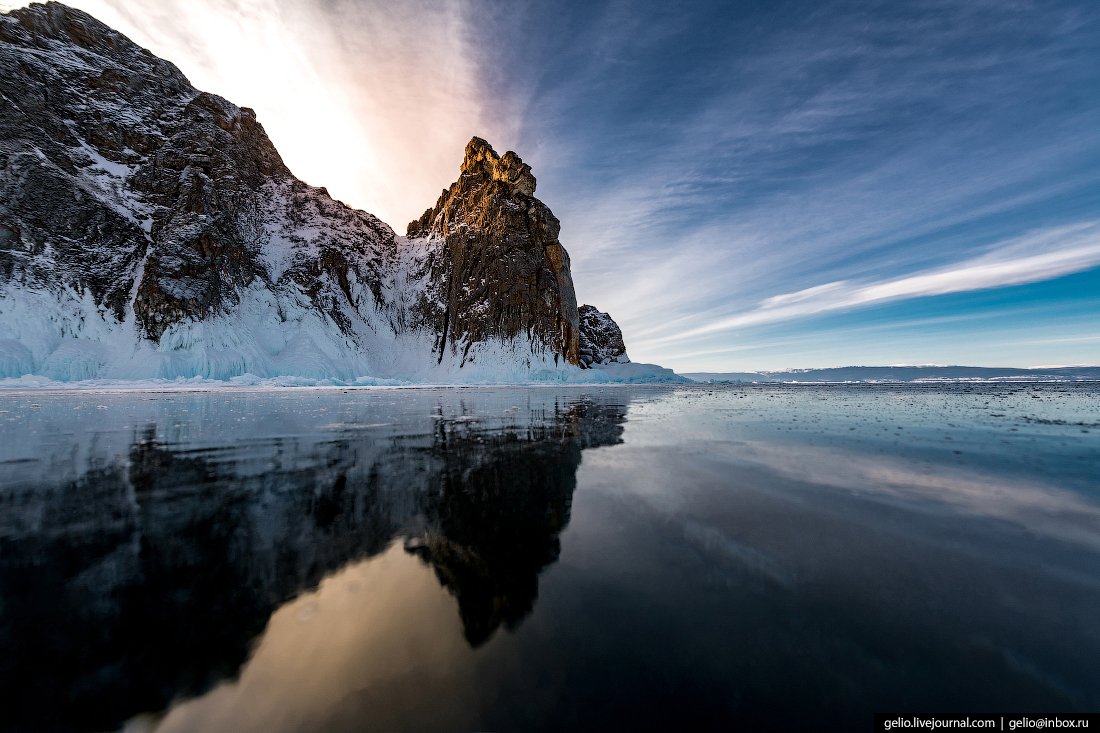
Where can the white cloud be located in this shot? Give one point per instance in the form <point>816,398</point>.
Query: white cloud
<point>816,292</point>
<point>1034,257</point>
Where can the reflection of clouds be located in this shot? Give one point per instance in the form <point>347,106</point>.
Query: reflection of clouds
<point>716,544</point>
<point>1043,509</point>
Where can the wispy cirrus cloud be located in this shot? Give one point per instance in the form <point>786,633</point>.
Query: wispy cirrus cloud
<point>1038,256</point>
<point>851,144</point>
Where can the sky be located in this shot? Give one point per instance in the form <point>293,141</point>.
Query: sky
<point>741,185</point>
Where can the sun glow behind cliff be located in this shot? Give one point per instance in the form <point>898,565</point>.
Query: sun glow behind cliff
<point>381,134</point>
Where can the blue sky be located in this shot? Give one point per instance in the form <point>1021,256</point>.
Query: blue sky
<point>742,185</point>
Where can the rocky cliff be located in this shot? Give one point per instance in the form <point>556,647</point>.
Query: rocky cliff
<point>148,229</point>
<point>496,266</point>
<point>601,339</point>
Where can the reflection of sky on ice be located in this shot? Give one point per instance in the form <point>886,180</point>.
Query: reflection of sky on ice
<point>1017,453</point>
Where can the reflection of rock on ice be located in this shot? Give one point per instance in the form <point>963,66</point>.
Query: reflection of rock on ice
<point>494,525</point>
<point>146,539</point>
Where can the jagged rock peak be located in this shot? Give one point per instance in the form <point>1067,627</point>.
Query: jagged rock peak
<point>484,175</point>
<point>497,267</point>
<point>482,160</point>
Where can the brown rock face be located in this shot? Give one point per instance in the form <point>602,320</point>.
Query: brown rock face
<point>495,265</point>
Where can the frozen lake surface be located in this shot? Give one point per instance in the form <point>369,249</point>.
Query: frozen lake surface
<point>759,557</point>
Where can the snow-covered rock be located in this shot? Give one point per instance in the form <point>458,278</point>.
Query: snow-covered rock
<point>601,339</point>
<point>149,230</point>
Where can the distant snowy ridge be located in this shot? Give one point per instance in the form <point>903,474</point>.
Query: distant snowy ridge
<point>902,374</point>
<point>151,231</point>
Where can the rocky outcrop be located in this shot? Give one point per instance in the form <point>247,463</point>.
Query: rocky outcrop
<point>496,267</point>
<point>122,181</point>
<point>148,229</point>
<point>601,341</point>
